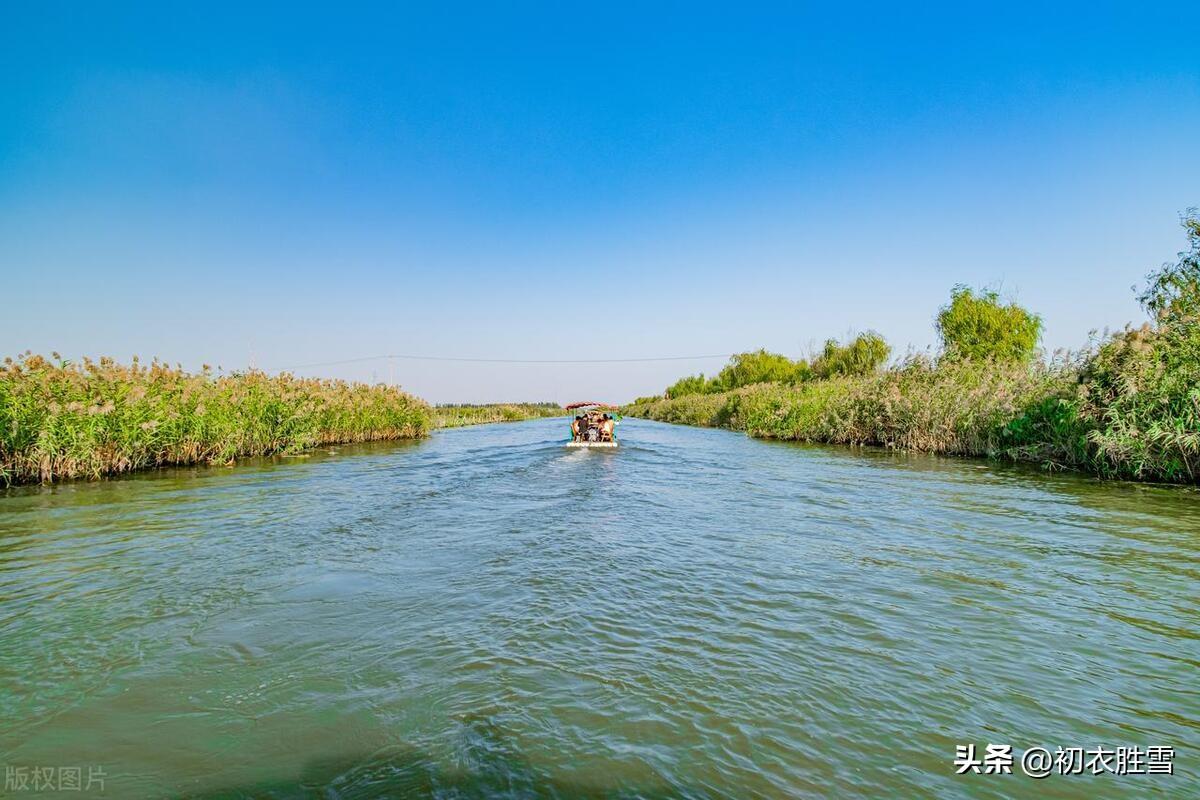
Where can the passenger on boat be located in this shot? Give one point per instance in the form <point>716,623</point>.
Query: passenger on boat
<point>576,428</point>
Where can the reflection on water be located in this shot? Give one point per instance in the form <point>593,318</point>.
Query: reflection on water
<point>697,614</point>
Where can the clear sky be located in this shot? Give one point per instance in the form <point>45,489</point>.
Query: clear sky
<point>288,185</point>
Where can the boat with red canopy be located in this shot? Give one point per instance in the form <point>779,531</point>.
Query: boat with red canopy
<point>594,425</point>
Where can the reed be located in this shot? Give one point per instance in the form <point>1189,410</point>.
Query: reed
<point>959,408</point>
<point>1112,410</point>
<point>60,419</point>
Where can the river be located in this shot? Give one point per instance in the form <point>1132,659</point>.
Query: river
<point>485,613</point>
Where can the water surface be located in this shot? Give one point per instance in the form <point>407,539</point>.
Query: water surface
<point>486,613</point>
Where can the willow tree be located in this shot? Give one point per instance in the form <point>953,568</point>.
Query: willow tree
<point>979,326</point>
<point>863,355</point>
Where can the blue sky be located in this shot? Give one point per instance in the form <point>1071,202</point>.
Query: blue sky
<point>297,184</point>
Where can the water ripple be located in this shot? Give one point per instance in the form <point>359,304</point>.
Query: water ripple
<point>697,614</point>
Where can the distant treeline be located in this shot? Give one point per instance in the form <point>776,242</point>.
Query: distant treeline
<point>452,415</point>
<point>863,354</point>
<point>1128,405</point>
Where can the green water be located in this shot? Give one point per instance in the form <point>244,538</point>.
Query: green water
<point>697,614</point>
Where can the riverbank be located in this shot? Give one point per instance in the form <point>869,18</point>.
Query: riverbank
<point>1065,415</point>
<point>1126,406</point>
<point>60,420</point>
<point>454,415</point>
<point>958,409</point>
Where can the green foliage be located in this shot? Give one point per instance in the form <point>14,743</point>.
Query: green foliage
<point>1050,431</point>
<point>1140,390</point>
<point>692,384</point>
<point>758,366</point>
<point>866,353</point>
<point>978,326</point>
<point>62,420</point>
<point>957,407</point>
<point>743,369</point>
<point>1128,408</point>
<point>692,409</point>
<point>1172,292</point>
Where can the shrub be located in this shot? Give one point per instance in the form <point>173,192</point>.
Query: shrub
<point>743,369</point>
<point>978,326</point>
<point>758,366</point>
<point>1172,292</point>
<point>692,384</point>
<point>1141,388</point>
<point>865,354</point>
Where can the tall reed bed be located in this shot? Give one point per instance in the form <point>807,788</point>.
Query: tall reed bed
<point>66,420</point>
<point>457,415</point>
<point>1122,410</point>
<point>962,408</point>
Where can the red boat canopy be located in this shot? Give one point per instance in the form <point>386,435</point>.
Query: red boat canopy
<point>574,406</point>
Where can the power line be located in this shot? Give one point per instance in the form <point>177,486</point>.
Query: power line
<point>500,360</point>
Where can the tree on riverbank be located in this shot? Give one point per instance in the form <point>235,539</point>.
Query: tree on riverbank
<point>978,326</point>
<point>862,355</point>
<point>743,369</point>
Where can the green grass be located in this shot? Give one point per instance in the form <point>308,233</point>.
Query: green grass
<point>61,420</point>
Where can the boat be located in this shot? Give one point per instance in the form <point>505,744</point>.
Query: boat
<point>593,426</point>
